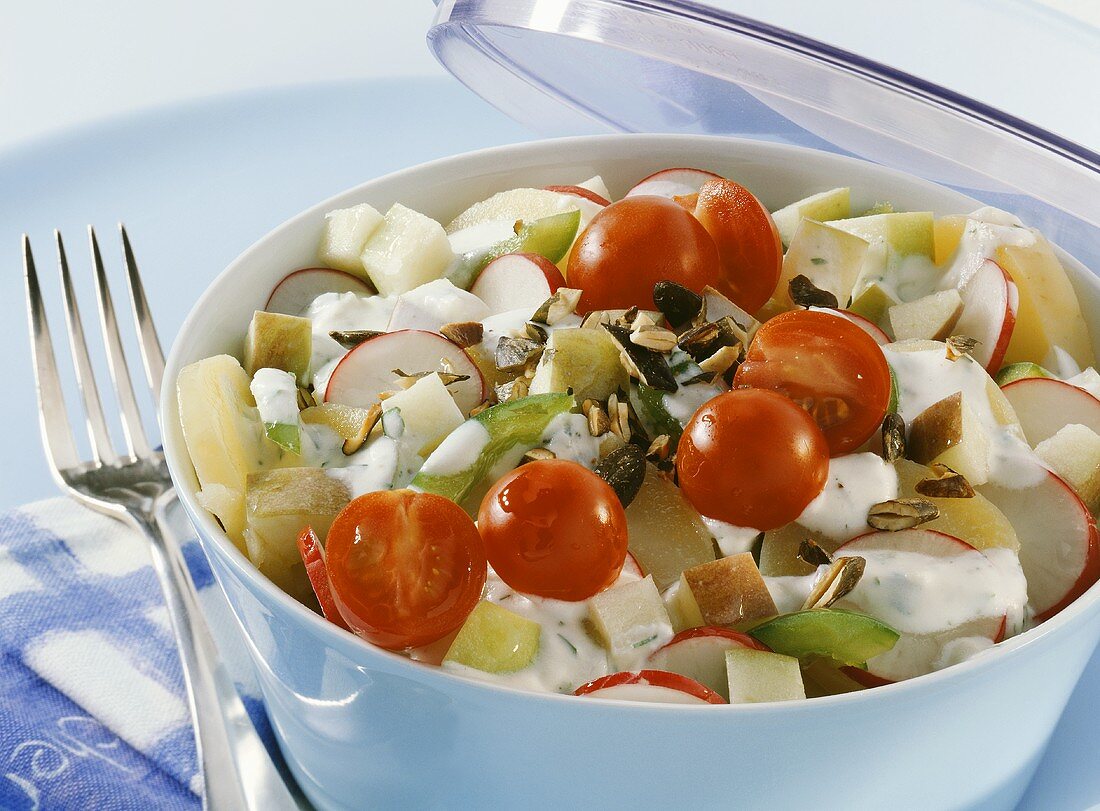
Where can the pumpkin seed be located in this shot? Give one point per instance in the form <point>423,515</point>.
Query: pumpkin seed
<point>463,333</point>
<point>901,513</point>
<point>805,293</point>
<point>678,304</point>
<point>624,470</point>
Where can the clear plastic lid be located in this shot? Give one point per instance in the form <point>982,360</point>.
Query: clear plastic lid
<point>583,66</point>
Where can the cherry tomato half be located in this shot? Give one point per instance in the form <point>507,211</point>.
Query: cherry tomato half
<point>829,366</point>
<point>631,245</point>
<point>406,568</point>
<point>747,239</point>
<point>753,458</point>
<point>554,529</point>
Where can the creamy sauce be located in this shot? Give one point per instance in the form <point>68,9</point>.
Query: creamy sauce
<point>276,394</point>
<point>926,376</point>
<point>434,304</point>
<point>373,467</point>
<point>856,482</point>
<point>986,230</point>
<point>331,312</point>
<point>685,401</point>
<point>568,437</point>
<point>568,656</point>
<point>731,539</point>
<point>789,593</point>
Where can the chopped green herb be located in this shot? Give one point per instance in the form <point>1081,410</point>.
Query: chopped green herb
<point>644,642</point>
<point>572,647</point>
<point>819,260</point>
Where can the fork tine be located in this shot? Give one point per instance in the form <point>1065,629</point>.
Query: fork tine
<point>85,379</point>
<point>151,355</point>
<point>116,358</point>
<point>57,437</point>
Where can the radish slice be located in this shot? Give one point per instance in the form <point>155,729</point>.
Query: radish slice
<point>368,369</point>
<point>313,556</point>
<point>1045,406</point>
<point>297,290</point>
<point>517,281</point>
<point>673,182</point>
<point>700,654</point>
<point>651,686</point>
<point>583,193</point>
<point>990,300</point>
<point>1059,545</point>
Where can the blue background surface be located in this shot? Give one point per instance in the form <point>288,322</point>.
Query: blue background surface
<point>196,184</point>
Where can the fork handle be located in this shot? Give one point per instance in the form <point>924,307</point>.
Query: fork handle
<point>238,773</point>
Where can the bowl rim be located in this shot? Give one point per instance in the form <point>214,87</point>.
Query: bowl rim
<point>208,530</point>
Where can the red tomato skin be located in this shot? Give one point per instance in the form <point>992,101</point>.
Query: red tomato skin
<point>406,568</point>
<point>752,458</point>
<point>748,242</point>
<point>554,529</point>
<point>808,356</point>
<point>634,243</point>
<point>313,556</point>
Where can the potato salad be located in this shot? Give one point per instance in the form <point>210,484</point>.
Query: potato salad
<point>672,448</point>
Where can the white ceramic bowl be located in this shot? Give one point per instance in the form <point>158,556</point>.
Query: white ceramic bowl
<point>363,727</point>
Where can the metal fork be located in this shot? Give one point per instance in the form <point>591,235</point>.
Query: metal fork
<point>134,487</point>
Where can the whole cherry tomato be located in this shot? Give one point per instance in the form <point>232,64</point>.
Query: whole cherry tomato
<point>752,458</point>
<point>747,239</point>
<point>554,529</point>
<point>406,568</point>
<point>829,366</point>
<point>634,243</point>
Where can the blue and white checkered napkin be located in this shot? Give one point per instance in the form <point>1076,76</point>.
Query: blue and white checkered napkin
<point>92,708</point>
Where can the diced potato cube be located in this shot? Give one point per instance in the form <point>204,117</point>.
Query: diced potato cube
<point>828,257</point>
<point>280,504</point>
<point>277,341</point>
<point>665,532</point>
<point>428,411</point>
<point>495,640</point>
<point>1074,454</point>
<point>779,550</point>
<point>730,590</point>
<point>406,251</point>
<point>585,361</point>
<point>682,608</point>
<point>224,436</point>
<point>931,317</point>
<point>756,676</point>
<point>632,621</point>
<point>950,433</point>
<point>346,233</point>
<point>872,301</point>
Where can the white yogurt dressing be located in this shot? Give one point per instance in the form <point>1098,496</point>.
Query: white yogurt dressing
<point>373,467</point>
<point>731,539</point>
<point>568,656</point>
<point>568,437</point>
<point>276,394</point>
<point>927,376</point>
<point>923,594</point>
<point>685,401</point>
<point>986,230</point>
<point>330,312</point>
<point>459,451</point>
<point>856,482</point>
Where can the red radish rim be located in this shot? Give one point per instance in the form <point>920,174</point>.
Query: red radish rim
<point>1012,306</point>
<point>655,678</point>
<point>1090,573</point>
<point>864,677</point>
<point>1048,380</point>
<point>868,326</point>
<point>886,533</point>
<point>313,556</point>
<point>369,290</point>
<point>647,178</point>
<point>580,191</point>
<point>343,360</point>
<point>554,280</point>
<point>713,631</point>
